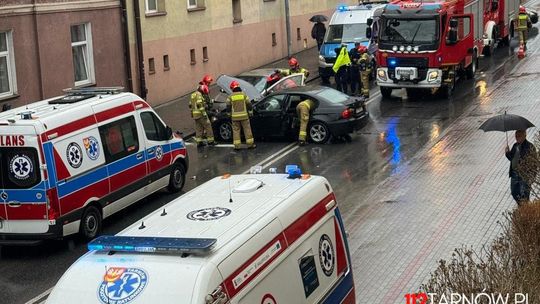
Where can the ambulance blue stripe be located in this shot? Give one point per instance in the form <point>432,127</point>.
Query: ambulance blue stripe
<point>26,196</point>
<point>82,181</point>
<point>98,175</point>
<point>49,159</point>
<point>177,145</point>
<point>341,290</point>
<point>124,164</point>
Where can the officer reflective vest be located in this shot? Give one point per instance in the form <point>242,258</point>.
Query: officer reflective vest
<point>239,104</point>
<point>197,105</point>
<point>522,22</point>
<point>308,103</point>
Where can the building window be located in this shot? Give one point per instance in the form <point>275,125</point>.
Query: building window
<point>195,5</point>
<point>274,41</point>
<point>298,34</point>
<point>151,6</point>
<point>81,47</point>
<point>205,53</point>
<point>151,66</point>
<point>8,85</point>
<point>237,11</point>
<point>192,56</point>
<point>166,66</point>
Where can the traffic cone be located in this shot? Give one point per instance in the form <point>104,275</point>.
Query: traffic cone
<point>521,52</point>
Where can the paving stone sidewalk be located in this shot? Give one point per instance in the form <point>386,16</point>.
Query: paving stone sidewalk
<point>451,194</point>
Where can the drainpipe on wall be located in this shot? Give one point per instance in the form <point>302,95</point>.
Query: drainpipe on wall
<point>127,52</point>
<point>288,27</point>
<point>140,56</point>
<point>38,52</point>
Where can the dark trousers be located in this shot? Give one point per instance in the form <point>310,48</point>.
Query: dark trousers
<point>519,188</point>
<point>342,79</point>
<point>319,43</point>
<point>354,78</point>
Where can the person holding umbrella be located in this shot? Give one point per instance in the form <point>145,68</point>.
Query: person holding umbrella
<point>521,150</point>
<point>319,30</point>
<point>520,186</point>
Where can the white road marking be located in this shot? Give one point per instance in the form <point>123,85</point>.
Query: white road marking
<point>283,151</point>
<point>41,297</point>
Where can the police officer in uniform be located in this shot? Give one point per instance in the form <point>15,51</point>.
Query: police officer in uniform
<point>354,69</point>
<point>198,107</point>
<point>365,70</point>
<point>239,106</point>
<point>303,109</point>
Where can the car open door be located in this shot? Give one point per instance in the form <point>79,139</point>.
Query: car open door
<point>291,81</point>
<point>269,115</point>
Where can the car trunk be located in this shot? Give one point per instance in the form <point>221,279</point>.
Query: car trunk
<point>23,204</point>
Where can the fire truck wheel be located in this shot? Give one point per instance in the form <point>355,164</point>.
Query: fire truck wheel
<point>386,92</point>
<point>90,223</point>
<point>177,179</point>
<point>471,69</point>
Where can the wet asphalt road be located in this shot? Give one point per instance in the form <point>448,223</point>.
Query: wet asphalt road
<point>397,129</point>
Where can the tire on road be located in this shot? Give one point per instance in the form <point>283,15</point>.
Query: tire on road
<point>177,178</point>
<point>318,132</point>
<point>91,220</point>
<point>471,69</point>
<point>224,131</point>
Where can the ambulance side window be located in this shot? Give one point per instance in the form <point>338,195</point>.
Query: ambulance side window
<point>153,127</point>
<point>119,138</point>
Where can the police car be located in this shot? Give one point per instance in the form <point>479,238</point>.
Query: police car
<point>348,25</point>
<point>68,162</point>
<point>262,238</point>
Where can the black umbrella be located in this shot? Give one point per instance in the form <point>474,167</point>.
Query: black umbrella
<point>318,18</point>
<point>506,122</point>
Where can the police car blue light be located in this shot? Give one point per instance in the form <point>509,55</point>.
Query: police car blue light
<point>342,8</point>
<point>151,244</point>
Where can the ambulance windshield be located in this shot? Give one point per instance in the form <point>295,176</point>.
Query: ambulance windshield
<point>409,31</point>
<point>19,168</point>
<point>354,32</point>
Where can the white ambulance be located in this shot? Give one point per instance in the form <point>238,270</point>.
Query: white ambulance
<point>263,238</point>
<point>68,162</point>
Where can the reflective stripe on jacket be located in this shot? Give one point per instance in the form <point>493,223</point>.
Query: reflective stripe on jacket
<point>197,105</point>
<point>239,105</point>
<point>522,22</point>
<point>308,103</point>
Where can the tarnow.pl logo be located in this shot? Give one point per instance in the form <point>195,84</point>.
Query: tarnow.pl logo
<point>461,298</point>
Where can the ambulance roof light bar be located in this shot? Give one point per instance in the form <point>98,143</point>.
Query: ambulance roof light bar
<point>94,91</point>
<point>293,171</point>
<point>152,244</point>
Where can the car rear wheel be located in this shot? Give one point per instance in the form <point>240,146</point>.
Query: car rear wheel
<point>319,132</point>
<point>386,92</point>
<point>177,178</point>
<point>225,131</point>
<point>90,223</point>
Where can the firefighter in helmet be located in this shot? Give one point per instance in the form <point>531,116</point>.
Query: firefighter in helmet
<point>294,68</point>
<point>198,107</point>
<point>365,70</point>
<point>207,80</point>
<point>304,109</point>
<point>523,23</point>
<point>239,105</point>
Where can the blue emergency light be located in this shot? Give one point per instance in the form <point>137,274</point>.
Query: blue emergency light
<point>392,62</point>
<point>151,244</point>
<point>293,170</point>
<point>342,8</point>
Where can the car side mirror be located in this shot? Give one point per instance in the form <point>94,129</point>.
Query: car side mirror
<point>369,21</point>
<point>454,23</point>
<point>368,32</point>
<point>168,133</point>
<point>222,91</point>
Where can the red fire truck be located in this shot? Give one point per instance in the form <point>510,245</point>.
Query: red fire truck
<point>428,44</point>
<point>498,25</point>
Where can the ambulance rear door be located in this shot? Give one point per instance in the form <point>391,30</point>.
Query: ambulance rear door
<point>23,204</point>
